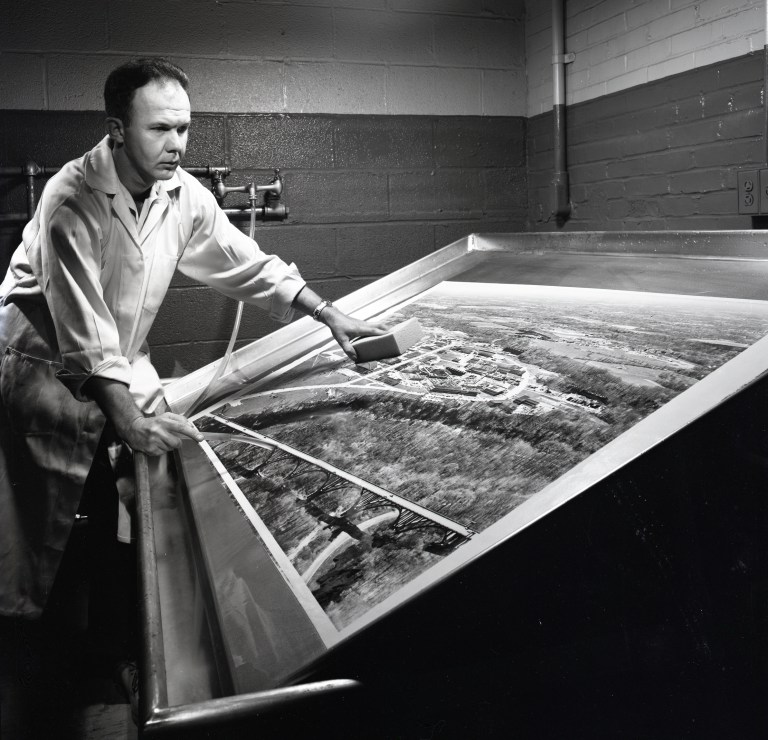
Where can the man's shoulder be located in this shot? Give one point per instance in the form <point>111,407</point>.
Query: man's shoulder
<point>194,192</point>
<point>190,181</point>
<point>67,183</point>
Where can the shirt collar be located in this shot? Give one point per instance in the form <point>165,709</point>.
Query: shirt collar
<point>100,172</point>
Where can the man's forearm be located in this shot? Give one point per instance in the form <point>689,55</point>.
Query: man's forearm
<point>115,400</point>
<point>307,301</point>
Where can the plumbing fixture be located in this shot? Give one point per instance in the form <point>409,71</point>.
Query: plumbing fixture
<point>271,210</point>
<point>29,171</point>
<point>561,205</point>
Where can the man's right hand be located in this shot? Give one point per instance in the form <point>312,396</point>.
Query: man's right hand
<point>155,435</point>
<point>152,435</point>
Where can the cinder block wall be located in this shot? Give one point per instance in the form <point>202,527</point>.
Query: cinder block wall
<point>621,44</point>
<point>398,125</point>
<point>665,103</point>
<point>659,156</point>
<point>401,125</point>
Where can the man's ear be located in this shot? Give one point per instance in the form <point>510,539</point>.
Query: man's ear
<point>116,130</point>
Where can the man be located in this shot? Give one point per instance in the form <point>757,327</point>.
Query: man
<point>76,306</point>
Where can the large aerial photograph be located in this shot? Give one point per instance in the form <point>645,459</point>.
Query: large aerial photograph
<point>367,475</point>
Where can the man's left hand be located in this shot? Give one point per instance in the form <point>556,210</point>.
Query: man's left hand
<point>344,329</point>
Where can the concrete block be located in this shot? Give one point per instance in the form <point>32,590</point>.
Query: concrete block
<point>680,205</point>
<point>339,287</point>
<point>311,248</point>
<point>77,82</point>
<point>630,79</point>
<point>505,8</point>
<point>598,172</point>
<point>605,29</point>
<point>709,10</point>
<point>234,86</point>
<point>202,314</point>
<point>49,137</point>
<point>739,71</point>
<point>371,36</point>
<point>382,142</point>
<point>173,27</point>
<point>285,141</point>
<point>672,160</point>
<point>644,13</point>
<point>697,181</point>
<point>381,248</point>
<point>738,153</point>
<point>587,93</point>
<point>459,192</point>
<point>337,197</point>
<point>413,194</point>
<point>479,142</point>
<point>740,124</point>
<point>177,360</point>
<point>649,54</point>
<point>476,42</point>
<point>433,91</point>
<point>721,52</point>
<point>359,4</point>
<point>694,38</point>
<point>607,70</point>
<point>336,88</point>
<point>206,143</point>
<point>648,185</point>
<point>672,66</point>
<point>506,190</point>
<point>49,25</point>
<point>677,4</point>
<point>22,81</point>
<point>669,24</point>
<point>642,143</point>
<point>277,31</point>
<point>504,93</point>
<point>538,19</point>
<point>724,102</point>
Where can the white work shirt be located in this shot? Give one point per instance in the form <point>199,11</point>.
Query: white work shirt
<point>104,270</point>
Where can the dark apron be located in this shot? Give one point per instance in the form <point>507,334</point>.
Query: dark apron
<point>47,444</point>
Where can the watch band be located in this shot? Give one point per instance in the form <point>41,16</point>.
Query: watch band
<point>320,308</point>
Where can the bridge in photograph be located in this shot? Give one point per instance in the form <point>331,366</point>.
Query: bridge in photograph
<point>410,515</point>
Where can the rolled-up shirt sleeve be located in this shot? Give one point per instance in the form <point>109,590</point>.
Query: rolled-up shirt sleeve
<point>87,335</point>
<point>223,257</point>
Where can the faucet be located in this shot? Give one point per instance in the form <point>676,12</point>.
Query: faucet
<point>271,210</point>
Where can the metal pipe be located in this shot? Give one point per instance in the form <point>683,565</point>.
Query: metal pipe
<point>561,206</point>
<point>30,170</point>
<point>272,210</point>
<point>765,83</point>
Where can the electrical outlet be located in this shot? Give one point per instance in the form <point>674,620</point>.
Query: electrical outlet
<point>762,202</point>
<point>750,190</point>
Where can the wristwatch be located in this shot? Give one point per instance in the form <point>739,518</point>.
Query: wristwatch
<point>325,303</point>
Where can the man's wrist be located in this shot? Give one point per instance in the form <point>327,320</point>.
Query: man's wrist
<point>320,308</point>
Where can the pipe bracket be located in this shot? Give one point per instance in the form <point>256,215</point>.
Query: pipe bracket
<point>568,58</point>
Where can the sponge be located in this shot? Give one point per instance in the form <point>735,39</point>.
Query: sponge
<point>396,341</point>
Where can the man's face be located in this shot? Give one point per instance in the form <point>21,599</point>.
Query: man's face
<point>156,138</point>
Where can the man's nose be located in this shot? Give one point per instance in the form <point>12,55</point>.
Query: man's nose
<point>175,142</point>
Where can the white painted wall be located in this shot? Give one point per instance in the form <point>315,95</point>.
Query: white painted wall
<point>622,43</point>
<point>450,57</point>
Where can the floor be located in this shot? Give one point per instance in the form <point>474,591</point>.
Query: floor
<point>49,686</point>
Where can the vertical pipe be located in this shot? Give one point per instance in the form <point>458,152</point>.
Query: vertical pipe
<point>561,206</point>
<point>765,82</point>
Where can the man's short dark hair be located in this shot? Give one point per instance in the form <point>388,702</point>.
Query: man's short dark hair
<point>123,82</point>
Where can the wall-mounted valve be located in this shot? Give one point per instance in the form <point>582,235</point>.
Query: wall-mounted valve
<point>271,209</point>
